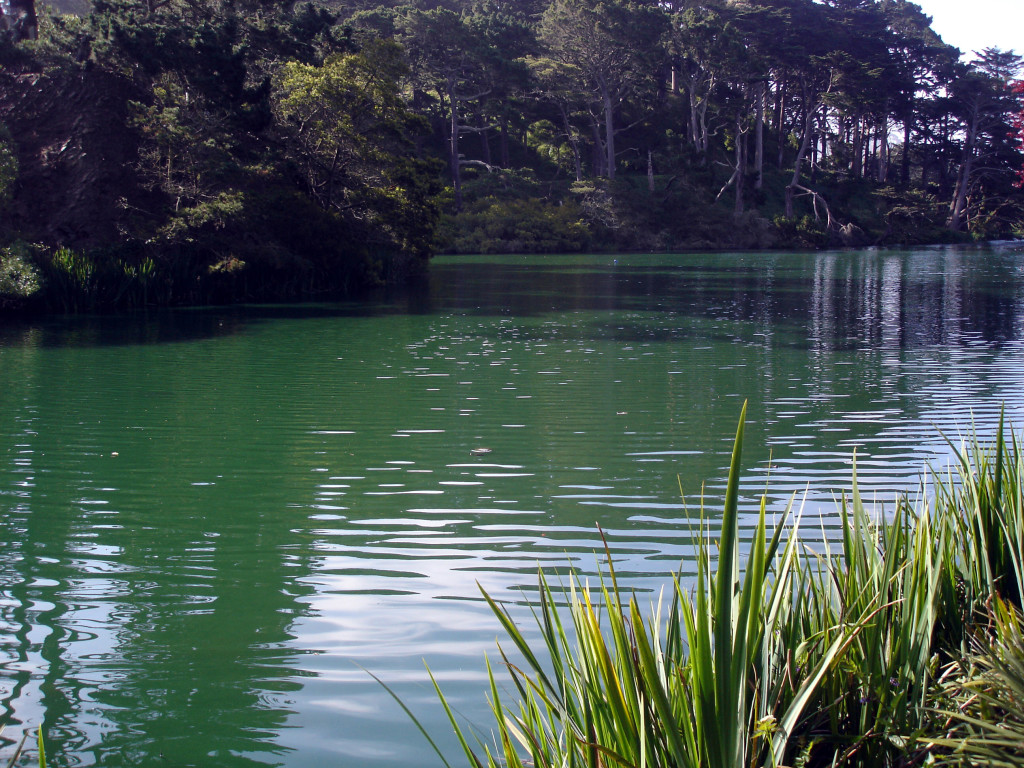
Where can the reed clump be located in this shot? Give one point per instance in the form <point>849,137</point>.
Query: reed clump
<point>898,645</point>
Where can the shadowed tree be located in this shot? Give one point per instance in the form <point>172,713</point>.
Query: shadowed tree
<point>921,57</point>
<point>615,46</point>
<point>450,58</point>
<point>1018,128</point>
<point>351,135</point>
<point>8,165</point>
<point>556,82</point>
<point>985,102</point>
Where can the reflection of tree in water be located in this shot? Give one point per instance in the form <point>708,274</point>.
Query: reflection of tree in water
<point>912,300</point>
<point>161,328</point>
<point>842,298</point>
<point>23,605</point>
<point>149,614</point>
<point>152,596</point>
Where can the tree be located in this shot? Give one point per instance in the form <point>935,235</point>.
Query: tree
<point>1018,127</point>
<point>813,64</point>
<point>350,135</point>
<point>983,98</point>
<point>921,60</point>
<point>556,82</point>
<point>8,165</point>
<point>8,168</point>
<point>450,58</point>
<point>508,31</point>
<point>704,43</point>
<point>615,45</point>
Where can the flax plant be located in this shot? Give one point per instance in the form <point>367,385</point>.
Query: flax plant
<point>885,591</point>
<point>707,682</point>
<point>41,752</point>
<point>984,497</point>
<point>848,653</point>
<point>989,716</point>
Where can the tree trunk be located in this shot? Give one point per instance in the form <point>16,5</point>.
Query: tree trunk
<point>780,105</point>
<point>905,159</point>
<point>698,117</point>
<point>23,19</point>
<point>869,139</point>
<point>609,133</point>
<point>453,142</point>
<point>503,139</point>
<point>814,158</point>
<point>883,151</point>
<point>609,128</point>
<point>958,205</point>
<point>694,136</point>
<point>650,171</point>
<point>804,144</point>
<point>857,168</point>
<point>573,142</point>
<point>759,137</point>
<point>741,161</point>
<point>599,155</point>
<point>485,138</point>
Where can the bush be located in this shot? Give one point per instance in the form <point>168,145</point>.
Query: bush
<point>805,232</point>
<point>912,217</point>
<point>19,278</point>
<point>530,225</point>
<point>987,702</point>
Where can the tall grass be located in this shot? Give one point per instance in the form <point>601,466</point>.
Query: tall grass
<point>987,703</point>
<point>983,498</point>
<point>834,654</point>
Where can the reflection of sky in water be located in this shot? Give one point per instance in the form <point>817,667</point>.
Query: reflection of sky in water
<point>215,521</point>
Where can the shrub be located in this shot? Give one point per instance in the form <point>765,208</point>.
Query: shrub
<point>19,278</point>
<point>492,225</point>
<point>804,232</point>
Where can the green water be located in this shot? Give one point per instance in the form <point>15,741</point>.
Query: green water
<point>215,521</point>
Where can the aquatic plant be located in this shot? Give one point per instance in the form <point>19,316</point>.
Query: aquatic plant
<point>983,498</point>
<point>805,656</point>
<point>611,686</point>
<point>987,717</point>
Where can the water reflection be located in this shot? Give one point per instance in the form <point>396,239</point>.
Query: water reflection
<point>212,521</point>
<point>146,621</point>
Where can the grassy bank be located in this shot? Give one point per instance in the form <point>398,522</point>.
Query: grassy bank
<point>899,645</point>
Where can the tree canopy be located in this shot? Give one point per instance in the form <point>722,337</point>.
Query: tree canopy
<point>316,143</point>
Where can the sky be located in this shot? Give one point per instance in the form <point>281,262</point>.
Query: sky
<point>972,25</point>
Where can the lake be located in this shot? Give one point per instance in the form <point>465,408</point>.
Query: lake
<point>217,522</point>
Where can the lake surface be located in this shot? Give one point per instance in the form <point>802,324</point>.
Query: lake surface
<point>216,522</point>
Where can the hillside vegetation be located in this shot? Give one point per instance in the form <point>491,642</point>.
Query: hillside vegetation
<point>183,151</point>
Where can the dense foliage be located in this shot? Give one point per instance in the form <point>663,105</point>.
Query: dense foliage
<point>258,148</point>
